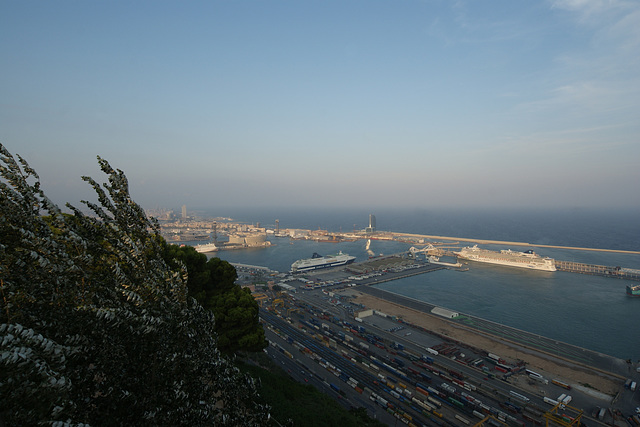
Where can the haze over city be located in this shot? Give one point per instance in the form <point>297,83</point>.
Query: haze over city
<point>338,103</point>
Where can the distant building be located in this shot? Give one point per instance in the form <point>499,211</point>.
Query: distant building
<point>445,312</point>
<point>249,240</point>
<point>184,211</point>
<point>295,233</point>
<point>372,224</point>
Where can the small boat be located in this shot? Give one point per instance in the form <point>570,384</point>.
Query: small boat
<point>633,291</point>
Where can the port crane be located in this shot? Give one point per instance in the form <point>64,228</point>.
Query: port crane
<point>563,415</point>
<point>260,298</point>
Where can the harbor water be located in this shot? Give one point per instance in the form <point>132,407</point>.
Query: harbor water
<point>588,311</point>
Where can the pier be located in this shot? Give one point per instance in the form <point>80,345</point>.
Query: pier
<point>250,267</point>
<point>598,270</point>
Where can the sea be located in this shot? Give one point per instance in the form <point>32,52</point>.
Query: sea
<point>587,311</point>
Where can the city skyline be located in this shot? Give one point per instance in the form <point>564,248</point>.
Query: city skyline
<point>358,104</point>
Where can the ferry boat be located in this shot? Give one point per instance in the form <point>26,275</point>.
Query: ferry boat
<point>633,291</point>
<point>206,247</point>
<point>435,260</point>
<point>318,261</point>
<point>528,259</point>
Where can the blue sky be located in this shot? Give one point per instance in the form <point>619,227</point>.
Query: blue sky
<point>364,103</point>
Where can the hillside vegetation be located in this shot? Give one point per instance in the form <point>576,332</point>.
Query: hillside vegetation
<point>95,327</point>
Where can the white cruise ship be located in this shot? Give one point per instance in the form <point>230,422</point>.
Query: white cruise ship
<point>528,259</point>
<point>318,261</point>
<point>206,247</point>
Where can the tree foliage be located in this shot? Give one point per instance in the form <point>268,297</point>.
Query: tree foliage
<point>212,283</point>
<point>95,325</point>
<point>296,404</point>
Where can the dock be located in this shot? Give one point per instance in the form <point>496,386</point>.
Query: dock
<point>598,270</point>
<point>527,342</point>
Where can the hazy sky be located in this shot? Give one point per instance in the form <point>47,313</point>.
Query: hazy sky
<point>328,103</point>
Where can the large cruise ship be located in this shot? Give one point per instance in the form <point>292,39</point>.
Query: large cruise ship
<point>528,259</point>
<point>318,261</point>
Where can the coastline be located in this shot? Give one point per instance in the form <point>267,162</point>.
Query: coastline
<point>601,381</point>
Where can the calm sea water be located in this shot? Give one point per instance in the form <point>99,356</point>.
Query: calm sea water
<point>588,311</point>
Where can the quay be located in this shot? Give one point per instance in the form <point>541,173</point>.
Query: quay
<point>374,271</point>
<point>250,267</point>
<point>527,342</point>
<point>389,276</point>
<point>598,270</point>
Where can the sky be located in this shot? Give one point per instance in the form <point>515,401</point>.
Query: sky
<point>334,103</point>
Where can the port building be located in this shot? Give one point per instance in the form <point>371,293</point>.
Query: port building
<point>440,311</point>
<point>250,240</point>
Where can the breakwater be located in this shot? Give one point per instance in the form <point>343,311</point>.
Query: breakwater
<point>509,243</point>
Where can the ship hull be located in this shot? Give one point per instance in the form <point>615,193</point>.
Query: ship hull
<point>321,266</point>
<point>633,291</point>
<point>527,261</point>
<point>318,262</point>
<point>514,264</point>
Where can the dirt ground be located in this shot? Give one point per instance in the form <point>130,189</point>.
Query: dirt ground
<point>549,368</point>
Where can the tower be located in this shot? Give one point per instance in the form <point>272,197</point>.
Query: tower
<point>372,224</point>
<point>184,211</point>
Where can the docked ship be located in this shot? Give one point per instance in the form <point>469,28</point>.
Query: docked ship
<point>435,260</point>
<point>528,259</point>
<point>206,247</point>
<point>318,261</point>
<point>633,291</point>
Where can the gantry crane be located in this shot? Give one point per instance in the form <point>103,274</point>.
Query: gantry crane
<point>563,415</point>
